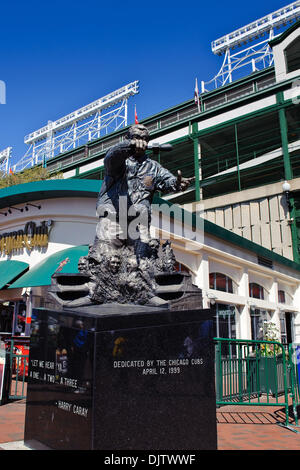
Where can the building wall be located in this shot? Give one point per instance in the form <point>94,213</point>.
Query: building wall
<point>260,215</point>
<point>206,254</point>
<point>243,273</point>
<point>73,223</point>
<point>280,60</point>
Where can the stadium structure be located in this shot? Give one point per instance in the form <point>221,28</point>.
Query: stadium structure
<point>240,138</point>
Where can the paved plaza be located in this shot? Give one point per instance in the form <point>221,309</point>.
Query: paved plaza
<point>239,428</point>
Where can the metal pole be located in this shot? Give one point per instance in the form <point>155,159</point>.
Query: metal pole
<point>74,134</point>
<point>229,66</point>
<point>98,124</point>
<point>126,112</point>
<point>28,313</point>
<point>15,317</point>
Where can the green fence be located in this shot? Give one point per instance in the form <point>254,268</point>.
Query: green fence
<point>18,364</point>
<point>255,373</point>
<point>247,372</point>
<point>15,359</point>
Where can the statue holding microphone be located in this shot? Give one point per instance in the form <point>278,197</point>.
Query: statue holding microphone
<point>124,262</point>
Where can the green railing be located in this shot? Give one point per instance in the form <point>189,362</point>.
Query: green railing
<point>19,360</point>
<point>252,373</point>
<point>15,352</point>
<point>247,372</point>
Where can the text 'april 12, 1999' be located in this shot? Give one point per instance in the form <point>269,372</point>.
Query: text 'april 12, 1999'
<point>159,366</point>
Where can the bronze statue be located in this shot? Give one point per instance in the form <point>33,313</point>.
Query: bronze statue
<point>131,179</point>
<point>123,261</point>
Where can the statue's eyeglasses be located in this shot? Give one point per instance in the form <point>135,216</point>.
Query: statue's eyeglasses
<point>141,137</point>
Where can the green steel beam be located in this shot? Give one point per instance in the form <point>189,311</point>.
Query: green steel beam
<point>237,155</point>
<point>284,139</point>
<point>288,173</point>
<point>196,161</point>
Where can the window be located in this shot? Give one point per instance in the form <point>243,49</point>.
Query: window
<point>281,296</point>
<point>292,56</point>
<point>258,317</point>
<point>285,297</point>
<point>256,291</point>
<point>283,332</point>
<point>19,320</point>
<point>224,321</point>
<point>181,268</point>
<point>219,281</point>
<point>287,327</point>
<point>6,316</point>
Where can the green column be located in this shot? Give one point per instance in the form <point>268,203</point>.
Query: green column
<point>285,145</point>
<point>237,156</point>
<point>288,173</point>
<point>196,161</point>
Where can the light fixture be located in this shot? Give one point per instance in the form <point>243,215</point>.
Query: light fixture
<point>211,298</point>
<point>252,305</point>
<point>286,187</point>
<point>33,205</point>
<point>16,208</point>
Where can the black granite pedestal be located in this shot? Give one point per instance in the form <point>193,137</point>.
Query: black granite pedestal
<point>121,378</point>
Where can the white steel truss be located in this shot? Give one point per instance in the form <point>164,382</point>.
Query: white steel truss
<point>258,55</point>
<point>5,156</point>
<point>85,124</point>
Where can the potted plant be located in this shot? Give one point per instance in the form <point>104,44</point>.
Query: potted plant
<point>271,360</point>
<point>270,333</point>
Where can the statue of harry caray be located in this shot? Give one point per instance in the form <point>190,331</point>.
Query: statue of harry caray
<point>123,261</point>
<point>131,179</point>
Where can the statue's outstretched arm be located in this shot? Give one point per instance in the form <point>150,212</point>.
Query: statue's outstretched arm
<point>114,161</point>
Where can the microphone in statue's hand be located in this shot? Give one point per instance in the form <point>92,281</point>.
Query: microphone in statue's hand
<point>156,147</point>
<point>139,145</point>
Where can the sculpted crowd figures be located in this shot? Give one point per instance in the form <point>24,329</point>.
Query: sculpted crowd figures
<point>124,259</point>
<point>116,276</point>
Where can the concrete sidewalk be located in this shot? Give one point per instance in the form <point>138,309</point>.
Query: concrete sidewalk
<point>239,428</point>
<point>12,421</point>
<point>256,428</point>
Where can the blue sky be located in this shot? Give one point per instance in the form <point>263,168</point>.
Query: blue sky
<point>56,57</point>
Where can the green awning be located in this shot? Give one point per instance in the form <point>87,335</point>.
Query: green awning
<point>10,270</point>
<point>40,274</point>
